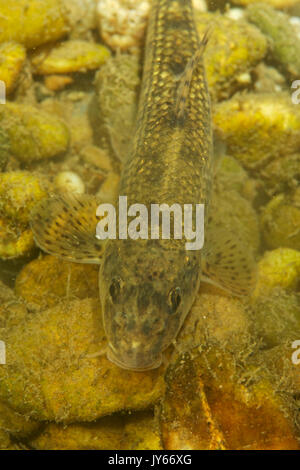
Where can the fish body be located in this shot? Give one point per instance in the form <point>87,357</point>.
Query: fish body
<point>147,286</point>
<point>154,282</point>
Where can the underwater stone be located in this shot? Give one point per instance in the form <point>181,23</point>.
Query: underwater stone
<point>49,374</point>
<point>281,175</point>
<point>284,42</point>
<point>122,23</point>
<point>12,58</point>
<point>138,431</point>
<point>280,221</point>
<point>33,134</point>
<point>69,57</point>
<point>104,434</point>
<point>215,316</point>
<point>16,425</point>
<point>213,401</point>
<point>278,268</point>
<point>19,192</point>
<point>32,22</point>
<point>233,49</point>
<point>47,280</point>
<point>70,182</point>
<point>57,82</point>
<point>258,127</point>
<point>115,107</point>
<point>81,16</point>
<point>276,317</point>
<point>231,174</point>
<point>279,361</point>
<point>97,157</point>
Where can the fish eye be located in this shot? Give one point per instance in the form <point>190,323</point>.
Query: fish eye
<point>115,289</point>
<point>174,298</point>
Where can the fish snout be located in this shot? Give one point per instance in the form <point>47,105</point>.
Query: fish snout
<point>133,358</point>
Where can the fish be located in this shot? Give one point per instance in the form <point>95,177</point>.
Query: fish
<point>148,286</point>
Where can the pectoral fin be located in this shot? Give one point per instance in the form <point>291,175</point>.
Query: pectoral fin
<point>228,263</point>
<point>65,226</point>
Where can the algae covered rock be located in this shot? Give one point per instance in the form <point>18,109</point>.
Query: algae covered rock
<point>15,425</point>
<point>285,47</point>
<point>122,23</point>
<point>33,134</point>
<point>46,281</point>
<point>115,106</point>
<point>4,148</point>
<point>19,192</point>
<point>81,16</point>
<point>215,317</point>
<point>280,221</point>
<point>32,22</point>
<point>104,434</point>
<point>231,174</point>
<point>282,174</point>
<point>278,268</point>
<point>72,109</point>
<point>12,58</point>
<point>282,362</point>
<point>139,431</point>
<point>52,371</point>
<point>233,49</point>
<point>258,128</point>
<point>277,317</point>
<point>69,57</point>
<point>226,406</point>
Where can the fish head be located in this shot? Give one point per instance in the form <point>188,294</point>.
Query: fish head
<point>146,290</point>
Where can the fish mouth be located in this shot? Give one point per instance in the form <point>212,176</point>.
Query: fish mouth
<point>112,357</point>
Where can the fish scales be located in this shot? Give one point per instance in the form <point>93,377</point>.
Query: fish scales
<point>170,162</point>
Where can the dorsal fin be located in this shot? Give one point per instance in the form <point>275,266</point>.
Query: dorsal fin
<point>186,78</point>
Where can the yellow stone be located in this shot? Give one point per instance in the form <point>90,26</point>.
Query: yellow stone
<point>32,22</point>
<point>68,57</point>
<point>12,58</point>
<point>278,268</point>
<point>19,192</point>
<point>33,134</point>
